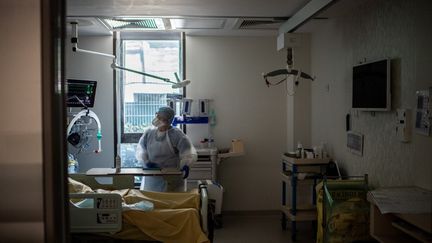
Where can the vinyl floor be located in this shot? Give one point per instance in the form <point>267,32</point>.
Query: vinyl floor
<point>261,229</point>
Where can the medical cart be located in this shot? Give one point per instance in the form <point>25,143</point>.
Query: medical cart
<point>204,168</point>
<point>299,178</point>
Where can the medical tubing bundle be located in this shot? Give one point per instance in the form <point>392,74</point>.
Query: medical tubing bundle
<point>93,115</point>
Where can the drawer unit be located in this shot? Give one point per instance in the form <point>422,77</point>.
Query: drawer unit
<point>200,173</point>
<point>200,164</point>
<point>204,168</point>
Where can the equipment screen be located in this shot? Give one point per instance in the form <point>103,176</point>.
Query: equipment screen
<point>80,93</point>
<point>371,86</point>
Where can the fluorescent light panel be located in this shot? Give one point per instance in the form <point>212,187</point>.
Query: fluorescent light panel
<point>197,23</point>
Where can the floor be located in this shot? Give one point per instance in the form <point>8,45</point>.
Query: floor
<point>260,229</point>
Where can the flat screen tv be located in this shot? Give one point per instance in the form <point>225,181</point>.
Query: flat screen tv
<point>371,86</point>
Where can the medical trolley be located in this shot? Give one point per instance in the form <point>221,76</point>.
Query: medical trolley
<point>299,178</point>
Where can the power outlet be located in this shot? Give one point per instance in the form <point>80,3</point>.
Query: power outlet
<point>403,125</point>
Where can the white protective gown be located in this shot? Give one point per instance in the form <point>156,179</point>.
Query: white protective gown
<point>169,149</point>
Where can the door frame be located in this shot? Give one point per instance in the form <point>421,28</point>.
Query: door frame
<point>56,217</point>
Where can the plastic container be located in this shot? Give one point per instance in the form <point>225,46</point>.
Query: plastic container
<point>73,166</point>
<point>203,144</point>
<point>237,146</point>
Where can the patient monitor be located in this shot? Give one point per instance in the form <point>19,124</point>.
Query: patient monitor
<point>80,93</point>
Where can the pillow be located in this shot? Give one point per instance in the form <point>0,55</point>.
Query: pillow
<point>78,187</point>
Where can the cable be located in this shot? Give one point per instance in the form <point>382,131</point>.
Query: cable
<point>79,100</point>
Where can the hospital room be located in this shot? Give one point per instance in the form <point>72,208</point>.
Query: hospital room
<point>197,121</point>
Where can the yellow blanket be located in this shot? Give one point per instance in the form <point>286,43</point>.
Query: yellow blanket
<point>175,218</point>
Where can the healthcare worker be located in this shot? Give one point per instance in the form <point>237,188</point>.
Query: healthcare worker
<point>164,146</point>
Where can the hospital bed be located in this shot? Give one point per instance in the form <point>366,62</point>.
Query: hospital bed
<point>97,214</point>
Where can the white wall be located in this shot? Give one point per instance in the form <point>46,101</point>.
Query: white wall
<point>228,71</point>
<point>93,67</point>
<point>376,29</point>
<point>21,207</point>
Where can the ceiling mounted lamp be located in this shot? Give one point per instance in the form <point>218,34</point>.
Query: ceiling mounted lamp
<point>74,39</point>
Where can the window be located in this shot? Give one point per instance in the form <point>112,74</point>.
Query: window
<point>156,54</point>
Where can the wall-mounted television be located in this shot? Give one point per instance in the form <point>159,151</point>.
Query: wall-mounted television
<point>371,86</point>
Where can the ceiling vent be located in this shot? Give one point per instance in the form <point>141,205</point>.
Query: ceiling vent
<point>133,23</point>
<point>260,23</point>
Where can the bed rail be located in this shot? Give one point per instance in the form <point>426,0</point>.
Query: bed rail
<point>204,206</point>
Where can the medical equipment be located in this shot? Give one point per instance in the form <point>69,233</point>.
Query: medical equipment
<point>287,72</point>
<point>79,131</point>
<point>95,212</point>
<point>114,65</point>
<point>80,93</point>
<point>171,103</point>
<point>175,85</point>
<point>203,107</point>
<point>186,106</point>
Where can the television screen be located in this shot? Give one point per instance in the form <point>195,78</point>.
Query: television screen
<point>371,86</point>
<point>80,93</point>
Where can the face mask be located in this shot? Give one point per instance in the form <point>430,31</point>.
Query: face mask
<point>157,123</point>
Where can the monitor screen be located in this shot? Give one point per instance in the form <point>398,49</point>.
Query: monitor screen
<point>80,93</point>
<point>371,86</point>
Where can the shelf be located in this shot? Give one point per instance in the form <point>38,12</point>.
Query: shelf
<point>132,171</point>
<point>297,161</point>
<point>413,231</point>
<point>391,238</point>
<point>286,177</point>
<point>303,213</point>
<point>390,228</point>
<point>230,154</point>
<point>422,221</point>
<point>190,120</point>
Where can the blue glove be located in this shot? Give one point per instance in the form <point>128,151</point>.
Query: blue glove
<point>185,170</point>
<point>151,165</point>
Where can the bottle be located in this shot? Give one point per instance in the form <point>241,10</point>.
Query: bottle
<point>299,152</point>
<point>117,164</point>
<point>212,118</point>
<point>317,152</point>
<point>203,143</point>
<point>73,166</point>
<point>323,150</point>
<point>210,142</point>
